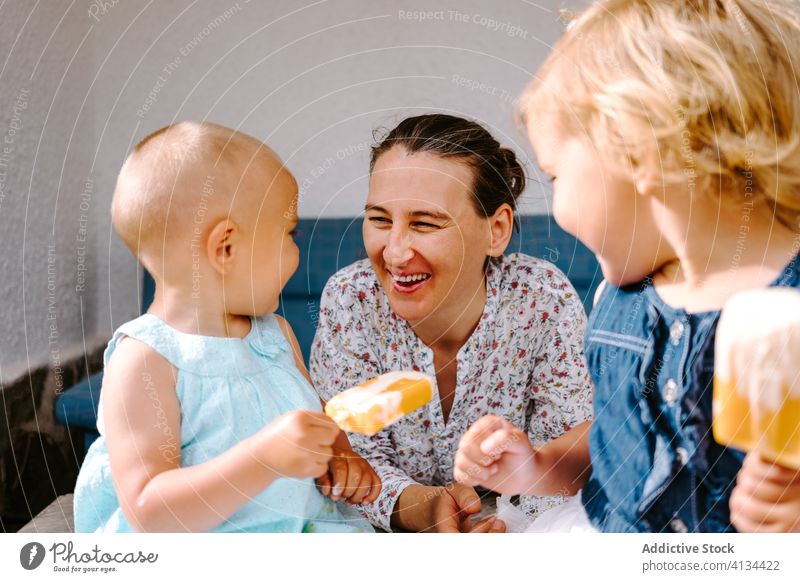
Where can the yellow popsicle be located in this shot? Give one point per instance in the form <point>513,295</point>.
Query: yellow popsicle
<point>372,406</point>
<point>756,402</point>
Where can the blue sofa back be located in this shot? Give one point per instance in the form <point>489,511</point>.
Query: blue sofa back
<point>327,245</point>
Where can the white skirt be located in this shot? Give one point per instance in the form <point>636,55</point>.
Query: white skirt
<point>569,517</point>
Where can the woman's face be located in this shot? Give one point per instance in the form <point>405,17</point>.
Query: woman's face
<point>426,242</point>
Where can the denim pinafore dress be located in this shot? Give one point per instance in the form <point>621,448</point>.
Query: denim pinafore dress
<point>655,464</point>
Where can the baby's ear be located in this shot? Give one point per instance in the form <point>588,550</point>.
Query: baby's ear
<point>222,245</point>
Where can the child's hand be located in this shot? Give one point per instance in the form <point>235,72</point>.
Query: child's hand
<point>766,497</point>
<point>298,444</point>
<point>496,455</point>
<point>350,477</point>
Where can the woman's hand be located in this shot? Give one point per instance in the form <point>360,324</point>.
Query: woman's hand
<point>453,507</point>
<point>496,455</point>
<point>442,510</point>
<point>766,497</point>
<point>350,477</point>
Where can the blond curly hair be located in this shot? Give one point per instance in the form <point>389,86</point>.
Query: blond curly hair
<point>706,91</point>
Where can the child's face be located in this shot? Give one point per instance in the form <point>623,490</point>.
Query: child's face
<point>600,208</point>
<point>273,256</point>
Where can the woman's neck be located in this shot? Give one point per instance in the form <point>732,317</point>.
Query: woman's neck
<point>188,314</point>
<point>721,251</point>
<point>449,328</point>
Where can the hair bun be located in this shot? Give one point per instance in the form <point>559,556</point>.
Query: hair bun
<point>515,174</point>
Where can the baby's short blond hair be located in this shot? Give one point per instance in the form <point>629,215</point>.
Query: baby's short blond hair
<point>174,176</point>
<point>704,90</point>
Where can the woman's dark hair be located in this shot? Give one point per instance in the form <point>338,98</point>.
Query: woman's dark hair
<point>499,178</point>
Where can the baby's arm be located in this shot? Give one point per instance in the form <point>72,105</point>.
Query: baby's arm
<point>350,476</point>
<point>142,419</point>
<point>497,455</point>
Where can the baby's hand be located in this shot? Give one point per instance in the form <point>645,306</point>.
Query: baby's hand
<point>766,497</point>
<point>350,477</point>
<point>496,455</point>
<point>297,444</point>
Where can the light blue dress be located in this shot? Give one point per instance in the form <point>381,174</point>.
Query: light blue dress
<point>228,389</point>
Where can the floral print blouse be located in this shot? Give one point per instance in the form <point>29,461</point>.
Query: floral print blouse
<point>524,361</point>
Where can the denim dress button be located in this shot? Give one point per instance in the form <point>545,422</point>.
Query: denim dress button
<point>678,526</point>
<point>676,332</point>
<point>670,391</point>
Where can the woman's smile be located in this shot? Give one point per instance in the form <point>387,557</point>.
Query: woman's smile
<point>407,282</point>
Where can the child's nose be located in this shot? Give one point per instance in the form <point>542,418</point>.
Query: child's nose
<point>398,249</point>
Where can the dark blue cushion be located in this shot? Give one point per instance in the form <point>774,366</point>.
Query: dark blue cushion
<point>77,407</point>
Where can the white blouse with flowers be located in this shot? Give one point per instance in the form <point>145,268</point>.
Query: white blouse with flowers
<point>524,361</point>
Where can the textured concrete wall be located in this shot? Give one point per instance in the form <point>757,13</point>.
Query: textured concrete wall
<point>50,207</point>
<point>49,221</point>
<point>315,81</point>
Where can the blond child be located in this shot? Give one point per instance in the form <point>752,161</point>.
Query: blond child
<point>207,418</point>
<point>669,128</point>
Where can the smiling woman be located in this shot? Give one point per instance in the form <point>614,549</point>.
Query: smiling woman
<point>501,334</point>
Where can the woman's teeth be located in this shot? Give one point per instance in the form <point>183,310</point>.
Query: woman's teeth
<point>411,278</point>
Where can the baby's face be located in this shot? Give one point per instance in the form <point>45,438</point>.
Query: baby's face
<point>600,208</point>
<point>271,256</point>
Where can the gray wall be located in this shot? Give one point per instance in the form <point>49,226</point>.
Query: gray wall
<point>313,79</point>
<point>47,224</point>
